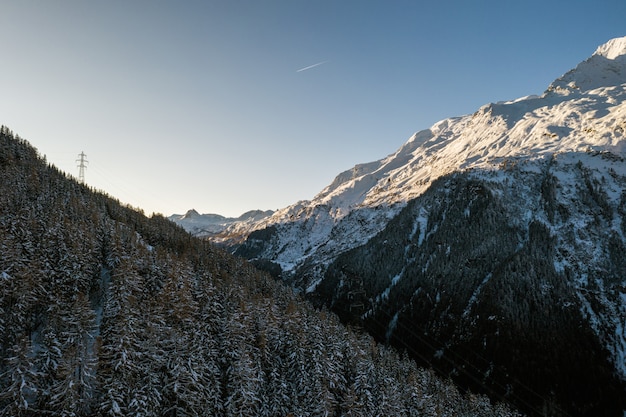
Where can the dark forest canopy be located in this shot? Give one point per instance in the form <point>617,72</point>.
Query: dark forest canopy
<point>106,312</point>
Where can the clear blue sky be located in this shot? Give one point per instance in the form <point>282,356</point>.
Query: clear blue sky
<point>200,104</point>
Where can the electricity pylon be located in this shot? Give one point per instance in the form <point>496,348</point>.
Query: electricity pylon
<point>81,166</point>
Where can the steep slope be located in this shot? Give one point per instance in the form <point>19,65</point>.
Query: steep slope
<point>508,244</point>
<point>104,312</point>
<point>511,281</point>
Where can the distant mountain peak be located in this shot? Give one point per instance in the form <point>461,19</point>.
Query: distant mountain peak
<point>211,224</point>
<point>191,214</point>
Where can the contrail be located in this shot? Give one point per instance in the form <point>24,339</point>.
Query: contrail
<point>311,66</point>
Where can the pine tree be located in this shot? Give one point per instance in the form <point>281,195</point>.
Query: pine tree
<point>20,382</point>
<point>118,367</point>
<point>71,394</point>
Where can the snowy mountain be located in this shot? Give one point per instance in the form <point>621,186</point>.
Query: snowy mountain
<point>203,225</point>
<point>581,111</point>
<point>497,236</point>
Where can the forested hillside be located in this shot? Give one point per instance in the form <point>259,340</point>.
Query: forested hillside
<point>106,312</point>
<point>511,282</point>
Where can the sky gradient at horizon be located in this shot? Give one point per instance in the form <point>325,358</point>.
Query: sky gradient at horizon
<point>210,104</point>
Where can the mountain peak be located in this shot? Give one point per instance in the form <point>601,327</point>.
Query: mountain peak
<point>191,214</point>
<point>613,48</point>
<point>605,68</point>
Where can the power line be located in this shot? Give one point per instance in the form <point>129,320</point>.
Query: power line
<point>81,166</point>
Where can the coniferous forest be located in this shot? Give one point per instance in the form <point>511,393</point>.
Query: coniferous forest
<point>107,312</point>
<point>479,300</point>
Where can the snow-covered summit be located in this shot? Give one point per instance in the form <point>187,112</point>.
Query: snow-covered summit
<point>606,67</point>
<point>613,49</point>
<point>529,127</point>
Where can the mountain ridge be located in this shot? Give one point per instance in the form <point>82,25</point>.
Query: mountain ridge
<point>614,51</point>
<point>210,224</point>
<point>497,133</point>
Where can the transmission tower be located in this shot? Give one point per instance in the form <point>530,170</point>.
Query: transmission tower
<point>81,166</point>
